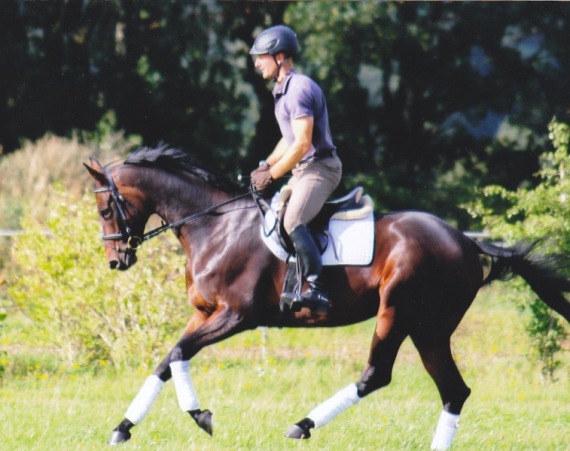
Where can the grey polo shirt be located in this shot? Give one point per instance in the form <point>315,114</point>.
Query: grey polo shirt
<point>298,96</point>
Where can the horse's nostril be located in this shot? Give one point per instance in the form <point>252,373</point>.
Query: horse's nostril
<point>113,264</point>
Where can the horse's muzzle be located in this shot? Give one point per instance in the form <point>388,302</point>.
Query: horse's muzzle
<point>122,260</point>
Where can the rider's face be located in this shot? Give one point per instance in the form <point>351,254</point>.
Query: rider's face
<point>266,65</point>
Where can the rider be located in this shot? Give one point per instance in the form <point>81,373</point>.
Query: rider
<point>306,149</point>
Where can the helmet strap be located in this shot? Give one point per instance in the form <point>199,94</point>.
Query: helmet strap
<point>276,76</point>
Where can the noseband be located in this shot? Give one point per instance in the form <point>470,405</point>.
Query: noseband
<point>125,232</point>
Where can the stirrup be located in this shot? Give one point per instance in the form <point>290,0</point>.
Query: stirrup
<point>288,300</point>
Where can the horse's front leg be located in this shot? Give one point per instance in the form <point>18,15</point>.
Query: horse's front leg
<point>221,325</point>
<point>201,331</point>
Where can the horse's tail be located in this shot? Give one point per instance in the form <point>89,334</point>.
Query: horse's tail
<point>542,273</point>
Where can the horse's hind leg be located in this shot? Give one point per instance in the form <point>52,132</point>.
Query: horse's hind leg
<point>378,373</point>
<point>438,361</point>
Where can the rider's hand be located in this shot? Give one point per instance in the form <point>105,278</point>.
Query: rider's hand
<point>261,178</point>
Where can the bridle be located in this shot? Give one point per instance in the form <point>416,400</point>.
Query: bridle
<point>125,232</point>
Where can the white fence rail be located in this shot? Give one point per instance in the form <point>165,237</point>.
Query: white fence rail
<point>9,233</point>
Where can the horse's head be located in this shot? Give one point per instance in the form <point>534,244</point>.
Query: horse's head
<point>122,221</point>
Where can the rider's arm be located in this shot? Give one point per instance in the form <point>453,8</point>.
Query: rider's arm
<point>277,153</point>
<point>303,132</point>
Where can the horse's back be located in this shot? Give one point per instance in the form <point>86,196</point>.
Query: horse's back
<point>430,235</point>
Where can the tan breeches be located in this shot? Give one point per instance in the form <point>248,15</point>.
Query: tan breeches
<point>312,184</point>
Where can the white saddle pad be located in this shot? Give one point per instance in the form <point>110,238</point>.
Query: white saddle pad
<point>351,241</point>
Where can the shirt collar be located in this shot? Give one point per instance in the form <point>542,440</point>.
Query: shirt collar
<point>281,88</point>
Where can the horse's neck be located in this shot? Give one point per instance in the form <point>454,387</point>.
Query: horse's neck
<point>177,198</point>
<point>174,198</point>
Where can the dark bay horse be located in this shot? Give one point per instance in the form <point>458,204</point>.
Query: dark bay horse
<point>421,281</point>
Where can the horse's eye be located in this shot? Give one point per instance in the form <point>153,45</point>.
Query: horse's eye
<point>107,213</point>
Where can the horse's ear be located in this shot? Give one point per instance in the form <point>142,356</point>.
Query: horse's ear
<point>95,171</point>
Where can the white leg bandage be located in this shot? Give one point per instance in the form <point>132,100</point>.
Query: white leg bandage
<point>445,432</point>
<point>143,401</point>
<point>335,405</point>
<point>187,398</point>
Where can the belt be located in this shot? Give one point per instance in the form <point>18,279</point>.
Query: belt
<point>319,156</point>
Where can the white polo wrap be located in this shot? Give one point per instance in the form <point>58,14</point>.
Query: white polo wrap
<point>445,431</point>
<point>145,398</point>
<point>187,398</point>
<point>338,403</point>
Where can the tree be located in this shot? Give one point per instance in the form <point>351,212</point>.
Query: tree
<point>433,99</point>
<point>427,100</point>
<point>166,69</point>
<point>533,214</point>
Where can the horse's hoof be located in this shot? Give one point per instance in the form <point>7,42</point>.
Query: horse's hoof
<point>118,437</point>
<point>297,432</point>
<point>203,418</point>
<point>301,430</point>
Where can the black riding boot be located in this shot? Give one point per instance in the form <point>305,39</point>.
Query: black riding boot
<point>308,253</point>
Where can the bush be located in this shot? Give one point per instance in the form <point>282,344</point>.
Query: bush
<point>29,173</point>
<point>61,280</point>
<point>533,214</point>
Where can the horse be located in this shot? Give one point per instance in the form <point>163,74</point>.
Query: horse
<point>423,277</point>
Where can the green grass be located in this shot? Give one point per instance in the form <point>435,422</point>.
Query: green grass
<point>259,383</point>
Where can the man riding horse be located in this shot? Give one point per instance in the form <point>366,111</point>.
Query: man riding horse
<point>306,148</point>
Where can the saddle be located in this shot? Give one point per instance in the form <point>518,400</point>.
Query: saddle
<point>350,206</point>
<point>349,209</point>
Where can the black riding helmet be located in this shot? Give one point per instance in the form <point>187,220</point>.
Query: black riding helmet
<point>271,41</point>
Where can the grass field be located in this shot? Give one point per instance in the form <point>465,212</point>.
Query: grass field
<point>259,383</point>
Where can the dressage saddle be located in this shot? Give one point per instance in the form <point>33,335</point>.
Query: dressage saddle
<point>319,225</point>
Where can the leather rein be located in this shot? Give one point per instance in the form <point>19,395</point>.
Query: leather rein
<point>125,232</point>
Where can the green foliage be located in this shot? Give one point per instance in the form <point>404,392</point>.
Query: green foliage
<point>534,214</point>
<point>28,174</point>
<point>546,333</point>
<point>426,99</point>
<point>435,99</point>
<point>61,281</point>
<point>3,354</point>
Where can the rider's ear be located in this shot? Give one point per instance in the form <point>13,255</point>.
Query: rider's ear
<point>95,171</point>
